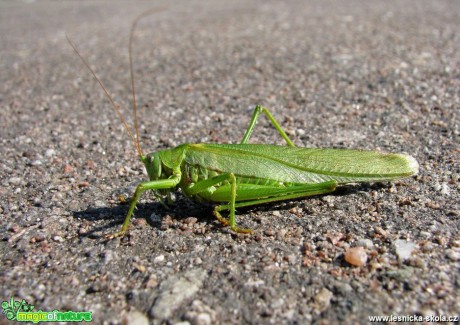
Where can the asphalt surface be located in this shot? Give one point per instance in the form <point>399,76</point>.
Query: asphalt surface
<point>370,75</point>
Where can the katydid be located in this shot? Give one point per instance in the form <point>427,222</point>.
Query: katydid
<point>243,175</point>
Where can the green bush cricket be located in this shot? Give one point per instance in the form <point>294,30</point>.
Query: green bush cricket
<point>243,175</point>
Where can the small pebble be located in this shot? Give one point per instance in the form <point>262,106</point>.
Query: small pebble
<point>427,247</point>
<point>300,131</point>
<point>453,255</point>
<point>404,249</point>
<point>445,189</point>
<point>58,239</point>
<point>356,256</point>
<point>191,221</point>
<point>323,299</point>
<point>136,318</point>
<point>202,319</point>
<point>14,180</point>
<point>68,169</point>
<point>367,243</point>
<point>159,259</point>
<point>50,153</point>
<point>380,231</point>
<point>36,162</point>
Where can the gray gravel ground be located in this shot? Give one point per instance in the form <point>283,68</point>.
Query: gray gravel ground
<point>356,74</point>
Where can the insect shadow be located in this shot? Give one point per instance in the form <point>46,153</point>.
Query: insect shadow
<point>153,212</point>
<point>185,208</point>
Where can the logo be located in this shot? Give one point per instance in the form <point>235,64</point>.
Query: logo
<point>21,311</point>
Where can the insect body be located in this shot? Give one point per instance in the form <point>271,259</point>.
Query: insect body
<point>245,174</point>
<point>241,175</point>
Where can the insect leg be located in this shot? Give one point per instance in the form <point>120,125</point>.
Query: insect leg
<point>259,109</point>
<point>141,188</point>
<point>231,207</point>
<point>230,189</point>
<point>252,194</point>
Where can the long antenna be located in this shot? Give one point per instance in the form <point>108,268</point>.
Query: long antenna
<point>135,139</point>
<point>115,106</point>
<point>133,88</point>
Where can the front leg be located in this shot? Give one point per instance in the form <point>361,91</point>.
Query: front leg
<point>141,188</point>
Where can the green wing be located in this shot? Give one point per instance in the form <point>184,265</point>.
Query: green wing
<point>301,165</point>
